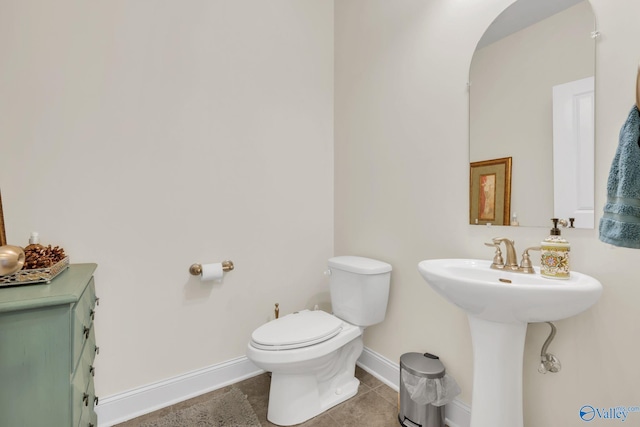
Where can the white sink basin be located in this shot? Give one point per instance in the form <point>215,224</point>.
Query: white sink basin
<point>498,312</point>
<point>477,289</point>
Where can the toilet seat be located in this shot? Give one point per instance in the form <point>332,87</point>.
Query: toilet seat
<point>296,330</point>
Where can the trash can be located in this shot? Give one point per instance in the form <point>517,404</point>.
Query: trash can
<point>424,390</point>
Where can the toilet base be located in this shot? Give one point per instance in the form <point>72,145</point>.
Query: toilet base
<point>296,398</point>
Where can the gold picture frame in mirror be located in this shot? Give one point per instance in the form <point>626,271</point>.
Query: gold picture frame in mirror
<point>638,88</point>
<point>3,235</point>
<point>490,192</point>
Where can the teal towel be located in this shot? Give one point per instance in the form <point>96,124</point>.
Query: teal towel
<point>620,224</point>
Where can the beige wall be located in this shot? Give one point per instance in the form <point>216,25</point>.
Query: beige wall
<point>149,135</point>
<point>511,103</point>
<point>401,160</point>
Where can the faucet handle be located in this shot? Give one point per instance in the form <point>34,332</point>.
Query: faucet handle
<point>525,264</point>
<point>498,261</point>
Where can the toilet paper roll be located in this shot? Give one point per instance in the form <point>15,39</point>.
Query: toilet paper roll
<point>211,272</point>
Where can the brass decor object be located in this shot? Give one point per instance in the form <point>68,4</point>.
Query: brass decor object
<point>37,275</point>
<point>196,269</point>
<point>11,259</point>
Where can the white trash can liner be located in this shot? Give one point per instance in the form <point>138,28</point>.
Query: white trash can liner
<point>434,391</point>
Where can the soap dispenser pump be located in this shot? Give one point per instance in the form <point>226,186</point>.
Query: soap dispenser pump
<point>554,250</point>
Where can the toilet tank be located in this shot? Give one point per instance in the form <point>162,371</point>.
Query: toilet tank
<point>359,289</point>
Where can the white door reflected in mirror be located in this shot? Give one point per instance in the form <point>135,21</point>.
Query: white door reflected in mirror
<point>573,152</point>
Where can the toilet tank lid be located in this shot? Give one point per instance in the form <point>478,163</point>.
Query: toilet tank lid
<point>360,265</point>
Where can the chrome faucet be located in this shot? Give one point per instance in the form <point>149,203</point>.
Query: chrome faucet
<point>511,264</point>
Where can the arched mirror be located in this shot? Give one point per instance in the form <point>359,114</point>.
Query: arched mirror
<point>531,100</point>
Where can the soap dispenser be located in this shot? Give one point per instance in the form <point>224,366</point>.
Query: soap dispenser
<point>554,261</point>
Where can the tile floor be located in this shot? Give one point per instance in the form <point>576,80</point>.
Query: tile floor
<point>375,405</point>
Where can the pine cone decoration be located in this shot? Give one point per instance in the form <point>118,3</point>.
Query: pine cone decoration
<point>37,256</point>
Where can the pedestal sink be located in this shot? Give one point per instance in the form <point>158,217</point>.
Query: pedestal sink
<point>499,305</point>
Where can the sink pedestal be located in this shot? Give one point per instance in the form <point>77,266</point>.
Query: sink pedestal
<point>499,305</point>
<point>498,351</point>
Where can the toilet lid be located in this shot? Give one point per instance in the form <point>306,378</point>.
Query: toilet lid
<point>300,329</point>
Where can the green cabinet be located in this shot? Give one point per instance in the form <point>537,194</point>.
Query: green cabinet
<point>47,349</point>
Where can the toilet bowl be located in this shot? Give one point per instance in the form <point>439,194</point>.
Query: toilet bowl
<point>312,354</point>
<point>308,377</point>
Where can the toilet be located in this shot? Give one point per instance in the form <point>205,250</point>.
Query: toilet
<point>312,354</point>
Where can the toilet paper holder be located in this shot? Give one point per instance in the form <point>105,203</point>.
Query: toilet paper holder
<point>196,269</point>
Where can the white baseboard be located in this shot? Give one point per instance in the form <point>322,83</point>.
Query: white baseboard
<point>457,413</point>
<point>134,403</point>
<point>380,367</point>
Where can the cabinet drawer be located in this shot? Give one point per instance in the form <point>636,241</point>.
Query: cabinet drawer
<point>88,417</point>
<point>82,381</point>
<point>89,352</point>
<point>87,357</point>
<point>79,397</point>
<point>84,312</point>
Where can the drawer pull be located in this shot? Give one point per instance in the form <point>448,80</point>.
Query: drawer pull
<point>92,371</point>
<point>85,399</point>
<point>85,331</point>
<point>97,350</point>
<point>92,314</point>
<point>95,400</point>
<point>97,301</point>
<point>91,425</point>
